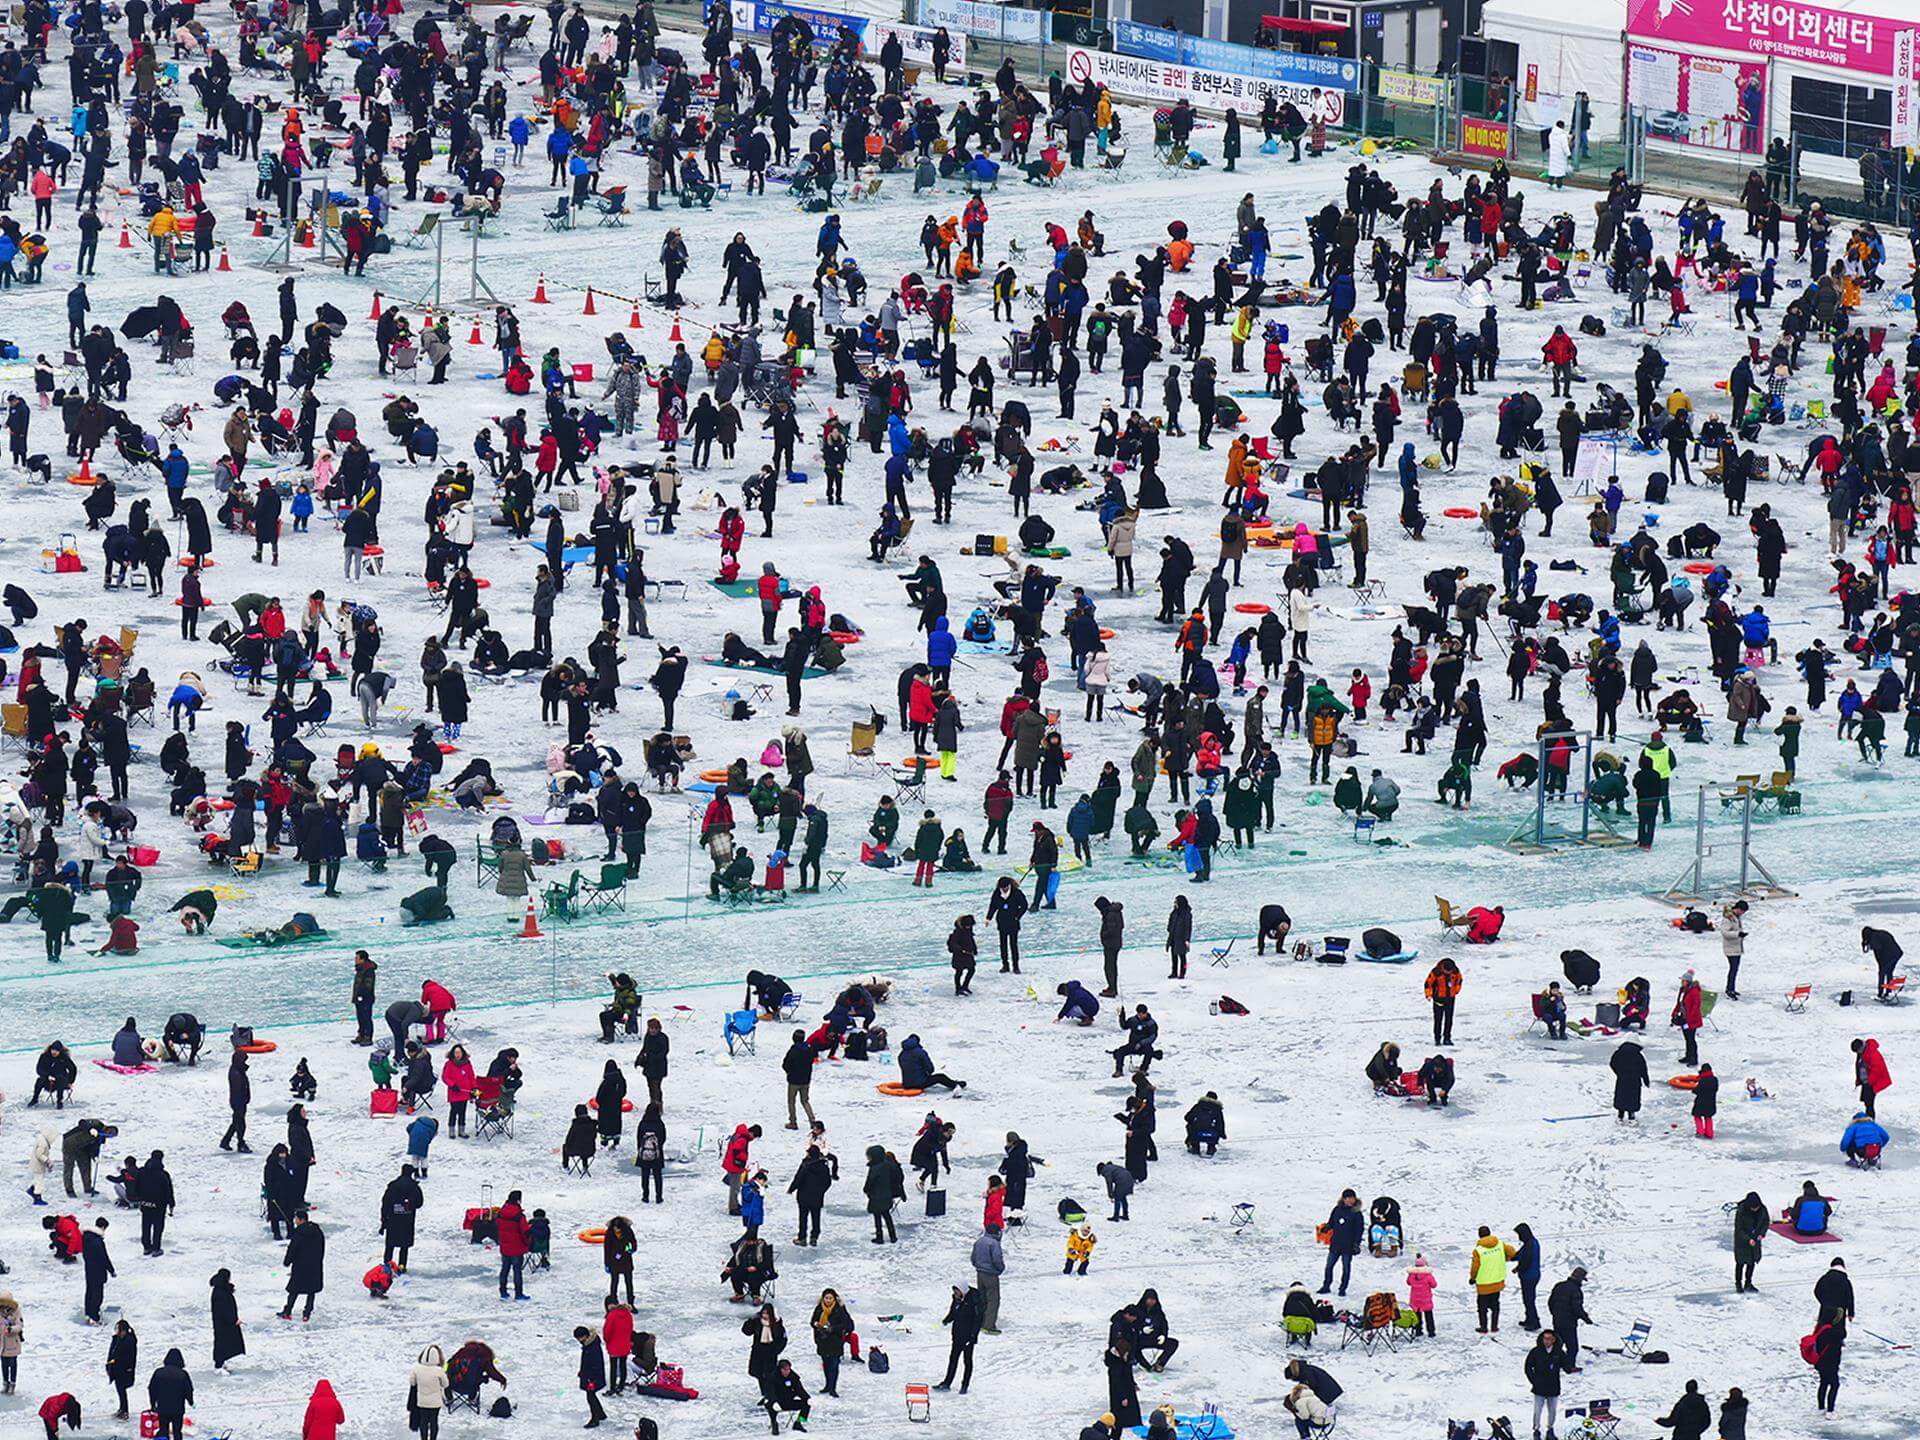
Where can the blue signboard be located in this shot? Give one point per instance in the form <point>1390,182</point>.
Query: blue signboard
<point>1151,42</point>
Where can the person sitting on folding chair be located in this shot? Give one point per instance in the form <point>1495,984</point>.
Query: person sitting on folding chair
<point>471,1367</point>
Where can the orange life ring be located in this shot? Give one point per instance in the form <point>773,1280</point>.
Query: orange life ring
<point>846,637</point>
<point>893,1087</point>
<point>258,1047</point>
<point>626,1105</point>
<point>1700,567</point>
<point>1685,1082</point>
<point>1461,512</point>
<point>1105,633</point>
<point>713,777</point>
<point>593,1234</point>
<point>1253,607</point>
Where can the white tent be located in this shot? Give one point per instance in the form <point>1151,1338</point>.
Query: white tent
<point>1574,49</point>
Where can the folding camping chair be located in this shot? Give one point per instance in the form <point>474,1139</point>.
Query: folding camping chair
<point>1363,829</point>
<point>1373,1324</point>
<point>1635,1340</point>
<point>492,1108</point>
<point>1896,987</point>
<point>1797,999</point>
<point>1539,1003</point>
<point>919,1403</point>
<point>1300,1330</point>
<point>561,216</point>
<point>1219,954</point>
<point>1450,919</point>
<point>737,1029</point>
<point>1597,1420</point>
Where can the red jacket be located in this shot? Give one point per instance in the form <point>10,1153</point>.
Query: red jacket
<point>1687,1007</point>
<point>1875,1065</point>
<point>616,1332</point>
<point>457,1076</point>
<point>999,800</point>
<point>1010,711</point>
<point>512,1227</point>
<point>1559,349</point>
<point>324,1415</point>
<point>735,1160</point>
<point>436,997</point>
<point>996,1211</point>
<point>920,703</point>
<point>769,589</point>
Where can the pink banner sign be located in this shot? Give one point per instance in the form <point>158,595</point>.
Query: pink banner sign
<point>1782,28</point>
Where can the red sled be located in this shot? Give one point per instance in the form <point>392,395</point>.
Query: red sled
<point>384,1102</point>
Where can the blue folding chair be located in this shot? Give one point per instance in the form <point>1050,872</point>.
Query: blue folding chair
<point>738,1031</point>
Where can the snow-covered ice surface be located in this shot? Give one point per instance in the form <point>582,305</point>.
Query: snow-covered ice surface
<point>1640,1207</point>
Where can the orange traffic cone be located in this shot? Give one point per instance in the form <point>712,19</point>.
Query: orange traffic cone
<point>474,338</point>
<point>675,337</point>
<point>306,237</point>
<point>588,308</point>
<point>225,263</point>
<point>376,306</point>
<point>540,290</point>
<point>259,224</point>
<point>126,236</point>
<point>530,927</point>
<point>84,475</point>
<point>633,320</point>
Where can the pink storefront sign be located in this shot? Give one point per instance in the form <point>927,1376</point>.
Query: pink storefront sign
<point>1781,28</point>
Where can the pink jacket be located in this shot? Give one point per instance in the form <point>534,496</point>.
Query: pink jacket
<point>1420,1285</point>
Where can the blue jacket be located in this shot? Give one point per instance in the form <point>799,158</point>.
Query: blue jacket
<point>1080,819</point>
<point>1755,628</point>
<point>420,1135</point>
<point>1409,467</point>
<point>174,468</point>
<point>518,130</point>
<point>559,143</point>
<point>1340,293</point>
<point>753,1206</point>
<point>1079,1002</point>
<point>1526,1260</point>
<point>1862,1133</point>
<point>1810,1215</point>
<point>940,644</point>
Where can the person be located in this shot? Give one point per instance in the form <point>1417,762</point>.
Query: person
<point>170,1395</point>
<point>885,1184</point>
<point>1691,1417</point>
<point>306,1264</point>
<point>1886,956</point>
<point>98,1266</point>
<point>1833,1293</point>
<point>1421,1282</point>
<point>1346,1228</point>
<point>1488,1272</point>
<point>228,1339</point>
<point>1567,1308</point>
<point>1706,1102</point>
<point>832,1329</point>
<point>1751,1222</point>
<point>963,1321</point>
<point>512,1235</point>
<point>1870,1073</point>
<point>123,1359</point>
<point>592,1373</point>
<point>1206,1123</point>
<point>1733,940</point>
<point>1444,983</point>
<point>1526,1269</point>
<point>1863,1141</point>
<point>428,1385</point>
<point>1810,1211</point>
<point>1630,1080</point>
<point>1543,1365</point>
<point>12,1335</point>
<point>1123,1395</point>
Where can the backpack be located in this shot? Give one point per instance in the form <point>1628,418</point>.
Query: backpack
<point>242,1035</point>
<point>1231,1006</point>
<point>1810,1344</point>
<point>877,1361</point>
<point>502,1409</point>
<point>650,1147</point>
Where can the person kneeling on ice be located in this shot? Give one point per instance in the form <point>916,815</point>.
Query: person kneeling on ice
<point>1206,1124</point>
<point>1436,1078</point>
<point>1863,1141</point>
<point>1483,925</point>
<point>1384,1069</point>
<point>1078,1003</point>
<point>379,1280</point>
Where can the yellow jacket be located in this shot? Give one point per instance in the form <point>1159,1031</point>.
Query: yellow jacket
<point>1103,112</point>
<point>162,225</point>
<point>1079,1247</point>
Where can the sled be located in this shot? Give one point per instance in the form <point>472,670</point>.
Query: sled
<point>1399,957</point>
<point>143,1069</point>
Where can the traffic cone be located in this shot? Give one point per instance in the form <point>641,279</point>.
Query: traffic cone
<point>540,290</point>
<point>675,337</point>
<point>225,264</point>
<point>306,237</point>
<point>126,236</point>
<point>530,927</point>
<point>588,308</point>
<point>259,224</point>
<point>474,338</point>
<point>633,320</point>
<point>376,306</point>
<point>84,475</point>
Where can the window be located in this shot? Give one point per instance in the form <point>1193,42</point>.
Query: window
<point>1837,119</point>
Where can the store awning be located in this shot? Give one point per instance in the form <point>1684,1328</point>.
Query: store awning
<point>1294,26</point>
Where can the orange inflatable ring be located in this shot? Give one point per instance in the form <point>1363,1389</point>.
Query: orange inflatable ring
<point>626,1105</point>
<point>1105,634</point>
<point>714,777</point>
<point>258,1047</point>
<point>1253,607</point>
<point>187,562</point>
<point>1700,567</point>
<point>593,1235</point>
<point>480,584</point>
<point>1685,1082</point>
<point>892,1087</point>
<point>846,637</point>
<point>1461,512</point>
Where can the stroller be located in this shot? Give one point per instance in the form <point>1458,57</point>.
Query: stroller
<point>1385,1237</point>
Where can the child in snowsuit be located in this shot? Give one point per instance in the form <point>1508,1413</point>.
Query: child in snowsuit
<point>1080,1243</point>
